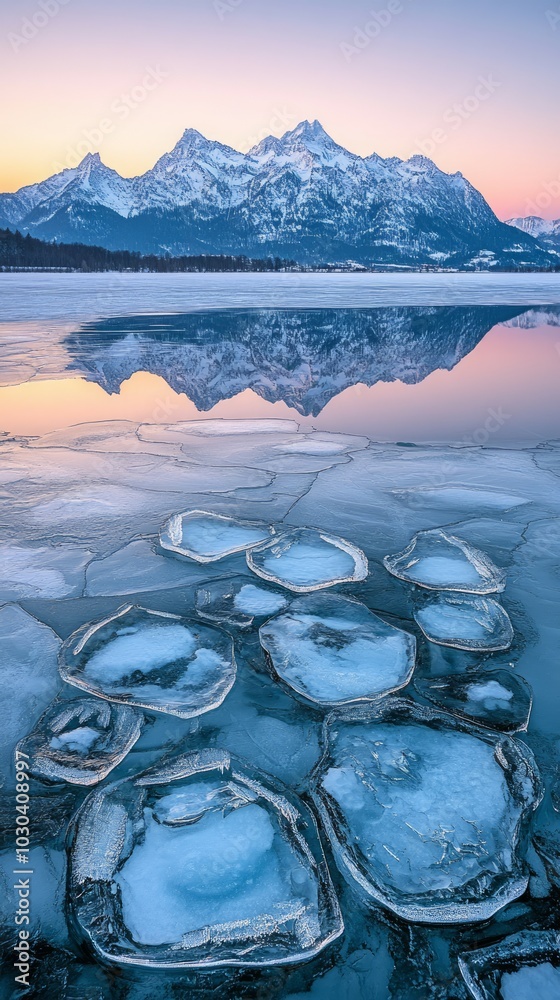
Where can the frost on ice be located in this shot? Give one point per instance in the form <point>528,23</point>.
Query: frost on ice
<point>426,815</point>
<point>304,559</point>
<point>238,601</point>
<point>440,561</point>
<point>152,659</point>
<point>525,966</point>
<point>499,699</point>
<point>207,537</point>
<point>465,621</point>
<point>333,650</point>
<point>198,864</point>
<point>81,741</point>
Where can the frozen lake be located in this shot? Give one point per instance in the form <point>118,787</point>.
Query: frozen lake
<point>265,402</point>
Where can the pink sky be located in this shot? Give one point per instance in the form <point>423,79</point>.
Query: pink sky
<point>473,85</point>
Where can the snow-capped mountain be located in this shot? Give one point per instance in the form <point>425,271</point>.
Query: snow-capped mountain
<point>545,231</point>
<point>301,196</point>
<point>301,357</point>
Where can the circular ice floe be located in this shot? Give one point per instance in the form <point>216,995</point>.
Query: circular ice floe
<point>426,815</point>
<point>81,741</point>
<point>198,864</point>
<point>498,699</point>
<point>465,621</point>
<point>207,537</point>
<point>525,966</point>
<point>151,659</point>
<point>306,559</point>
<point>238,601</point>
<point>332,650</point>
<point>439,561</point>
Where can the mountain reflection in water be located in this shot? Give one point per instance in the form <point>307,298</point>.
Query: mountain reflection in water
<point>302,358</point>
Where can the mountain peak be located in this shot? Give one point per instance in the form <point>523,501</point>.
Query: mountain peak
<point>420,162</point>
<point>193,142</point>
<point>191,135</point>
<point>308,131</point>
<point>308,137</point>
<point>90,160</point>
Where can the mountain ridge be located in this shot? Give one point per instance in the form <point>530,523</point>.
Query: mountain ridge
<point>546,231</point>
<point>301,196</point>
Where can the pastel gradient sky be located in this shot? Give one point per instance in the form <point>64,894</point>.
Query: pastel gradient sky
<point>240,69</point>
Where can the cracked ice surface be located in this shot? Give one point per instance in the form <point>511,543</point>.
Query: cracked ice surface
<point>200,863</point>
<point>332,650</point>
<point>152,659</point>
<point>41,571</point>
<point>112,485</point>
<point>427,816</point>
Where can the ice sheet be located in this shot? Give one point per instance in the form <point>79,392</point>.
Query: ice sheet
<point>237,601</point>
<point>305,559</point>
<point>426,817</point>
<point>203,864</point>
<point>81,741</point>
<point>440,561</point>
<point>332,650</point>
<point>154,660</point>
<point>206,536</point>
<point>500,699</point>
<point>465,621</point>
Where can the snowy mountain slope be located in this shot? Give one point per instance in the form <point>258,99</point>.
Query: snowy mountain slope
<point>301,196</point>
<point>544,230</point>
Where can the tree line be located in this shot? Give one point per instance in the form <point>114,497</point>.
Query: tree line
<point>18,252</point>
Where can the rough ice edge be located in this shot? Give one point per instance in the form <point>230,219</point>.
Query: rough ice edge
<point>361,566</point>
<point>482,563</point>
<point>181,767</point>
<point>56,765</point>
<point>514,952</point>
<point>237,617</point>
<point>479,676</point>
<point>367,699</point>
<point>439,913</point>
<point>504,625</point>
<point>173,528</point>
<point>76,642</point>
